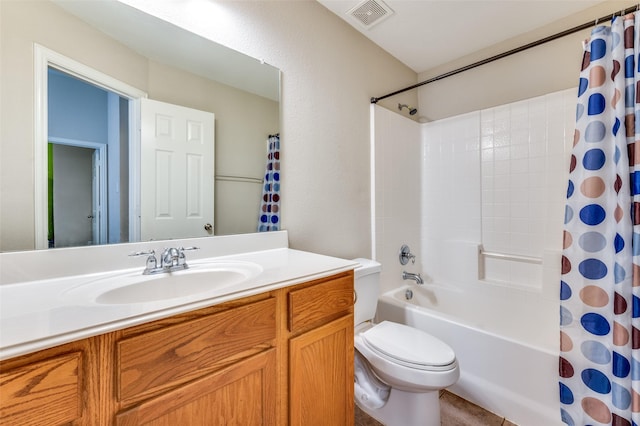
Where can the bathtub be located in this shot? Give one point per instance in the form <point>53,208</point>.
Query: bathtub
<point>498,370</point>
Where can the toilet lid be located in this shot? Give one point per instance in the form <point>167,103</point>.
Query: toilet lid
<point>408,345</point>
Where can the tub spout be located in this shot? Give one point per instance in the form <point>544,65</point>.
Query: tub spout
<point>409,276</point>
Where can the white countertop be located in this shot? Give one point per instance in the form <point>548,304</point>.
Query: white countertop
<point>39,314</point>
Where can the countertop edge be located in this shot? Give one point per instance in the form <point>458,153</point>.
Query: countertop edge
<point>60,339</point>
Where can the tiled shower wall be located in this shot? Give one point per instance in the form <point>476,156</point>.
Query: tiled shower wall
<point>494,181</point>
<point>397,176</point>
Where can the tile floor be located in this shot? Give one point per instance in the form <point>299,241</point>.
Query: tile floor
<point>454,411</point>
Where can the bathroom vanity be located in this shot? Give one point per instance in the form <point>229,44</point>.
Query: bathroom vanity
<point>275,351</point>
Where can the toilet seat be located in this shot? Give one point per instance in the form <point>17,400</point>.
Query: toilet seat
<point>409,347</point>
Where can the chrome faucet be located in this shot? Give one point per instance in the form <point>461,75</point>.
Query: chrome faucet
<point>405,255</point>
<point>409,276</point>
<point>172,259</point>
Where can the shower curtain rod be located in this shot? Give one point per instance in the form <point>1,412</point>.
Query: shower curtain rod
<point>509,52</point>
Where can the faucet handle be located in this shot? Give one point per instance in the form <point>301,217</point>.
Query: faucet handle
<point>143,253</point>
<point>152,263</point>
<point>182,260</point>
<point>405,254</point>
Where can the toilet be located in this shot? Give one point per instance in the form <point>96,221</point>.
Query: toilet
<point>399,370</point>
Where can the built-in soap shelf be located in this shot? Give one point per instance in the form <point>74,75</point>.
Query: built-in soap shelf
<point>514,270</point>
<point>510,257</point>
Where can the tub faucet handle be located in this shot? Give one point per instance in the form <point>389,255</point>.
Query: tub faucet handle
<point>405,255</point>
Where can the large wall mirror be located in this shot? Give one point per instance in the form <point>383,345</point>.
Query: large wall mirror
<point>59,120</point>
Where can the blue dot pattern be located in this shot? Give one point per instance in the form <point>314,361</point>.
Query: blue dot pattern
<point>269,217</point>
<point>599,365</point>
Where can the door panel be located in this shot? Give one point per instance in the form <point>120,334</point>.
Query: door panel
<point>73,209</point>
<point>177,186</point>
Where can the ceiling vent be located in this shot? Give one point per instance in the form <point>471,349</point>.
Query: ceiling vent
<point>370,12</point>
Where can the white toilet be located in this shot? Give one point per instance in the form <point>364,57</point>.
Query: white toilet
<point>399,370</point>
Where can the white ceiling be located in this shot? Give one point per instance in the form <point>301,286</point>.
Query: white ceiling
<point>137,27</point>
<point>424,34</point>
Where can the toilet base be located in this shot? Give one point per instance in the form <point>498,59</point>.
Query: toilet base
<point>408,409</point>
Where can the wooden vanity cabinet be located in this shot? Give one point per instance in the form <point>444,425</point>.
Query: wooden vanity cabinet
<point>277,358</point>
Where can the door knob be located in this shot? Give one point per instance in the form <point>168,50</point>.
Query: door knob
<point>208,227</point>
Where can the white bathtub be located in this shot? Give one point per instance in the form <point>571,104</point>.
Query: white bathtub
<point>498,371</point>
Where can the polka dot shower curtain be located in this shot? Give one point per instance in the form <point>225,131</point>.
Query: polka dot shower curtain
<point>599,308</point>
<point>269,217</point>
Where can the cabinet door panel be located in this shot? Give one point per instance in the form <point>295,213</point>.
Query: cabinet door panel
<point>321,375</point>
<point>320,303</point>
<point>242,394</point>
<point>164,358</point>
<point>43,393</point>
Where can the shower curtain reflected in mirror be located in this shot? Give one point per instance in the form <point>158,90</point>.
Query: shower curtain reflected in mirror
<point>599,332</point>
<point>269,216</point>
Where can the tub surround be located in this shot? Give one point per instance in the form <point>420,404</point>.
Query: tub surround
<point>492,247</point>
<point>35,315</point>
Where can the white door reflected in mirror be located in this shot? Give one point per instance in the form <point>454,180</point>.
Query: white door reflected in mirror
<point>177,174</point>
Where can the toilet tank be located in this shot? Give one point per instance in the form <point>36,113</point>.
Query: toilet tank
<point>367,288</point>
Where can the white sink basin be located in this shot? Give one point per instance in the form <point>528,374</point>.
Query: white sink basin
<point>133,287</point>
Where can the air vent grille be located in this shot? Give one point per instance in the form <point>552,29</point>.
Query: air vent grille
<point>370,12</point>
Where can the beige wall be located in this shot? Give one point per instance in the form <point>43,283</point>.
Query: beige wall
<point>329,73</point>
<point>548,68</point>
<point>243,121</point>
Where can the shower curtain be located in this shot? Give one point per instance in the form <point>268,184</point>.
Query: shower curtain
<point>599,329</point>
<point>269,215</point>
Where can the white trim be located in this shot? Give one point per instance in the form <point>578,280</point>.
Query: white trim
<point>135,147</point>
<point>43,59</point>
<point>40,136</point>
<point>99,222</point>
<point>78,143</point>
<point>372,172</point>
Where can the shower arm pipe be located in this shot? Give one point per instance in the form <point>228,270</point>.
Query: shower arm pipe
<point>509,52</point>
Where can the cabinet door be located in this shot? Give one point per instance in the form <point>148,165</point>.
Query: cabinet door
<point>321,375</point>
<point>47,392</point>
<point>241,394</point>
<point>318,304</point>
<point>151,363</point>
